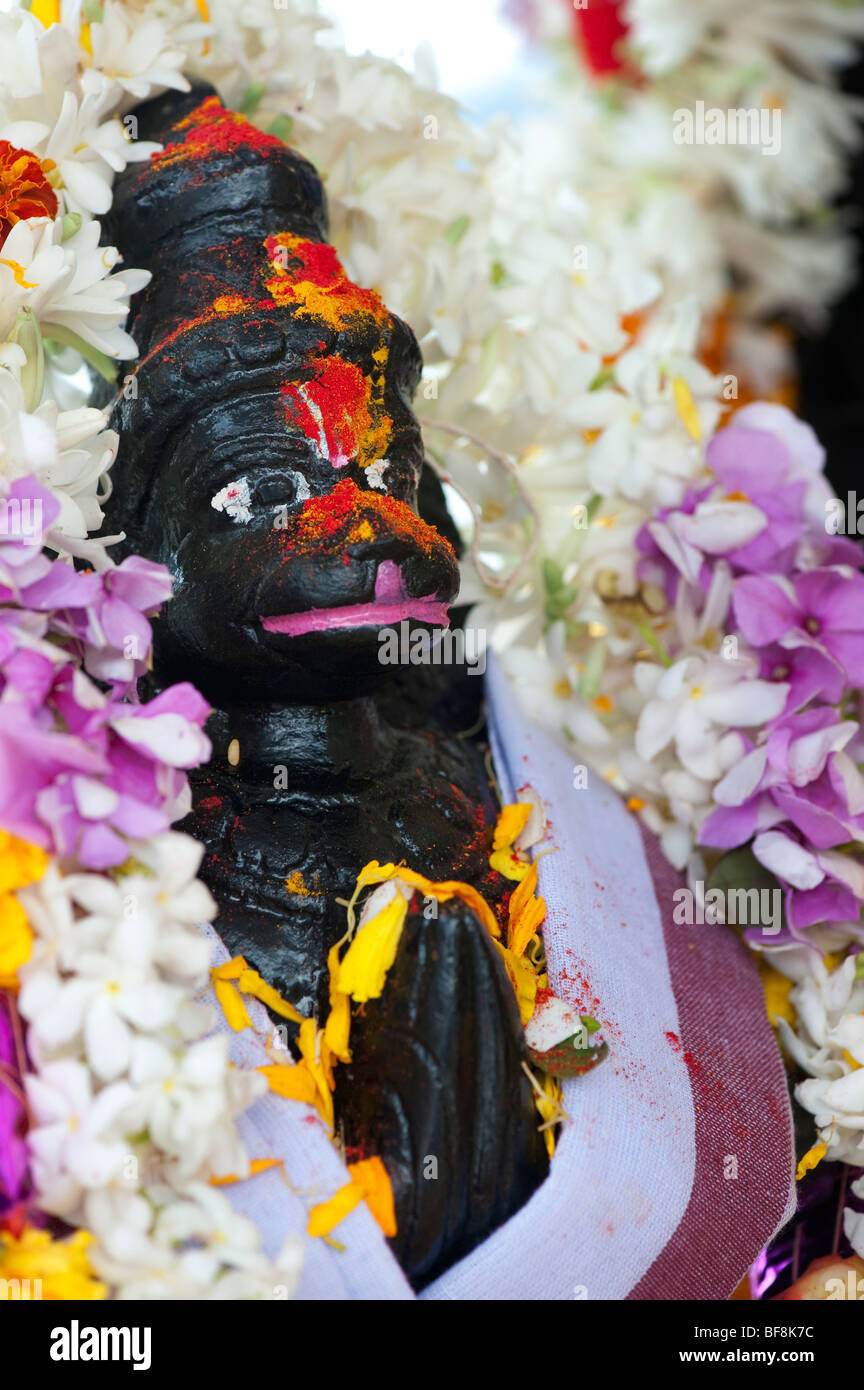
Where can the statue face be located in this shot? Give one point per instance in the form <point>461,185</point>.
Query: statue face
<point>270,455</point>
<point>287,567</point>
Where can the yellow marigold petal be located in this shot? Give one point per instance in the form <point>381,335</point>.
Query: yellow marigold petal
<point>16,941</point>
<point>549,1107</point>
<point>811,1159</point>
<point>528,923</point>
<point>250,982</point>
<point>374,872</point>
<point>326,1215</point>
<point>686,407</point>
<point>337,1030</point>
<point>777,988</point>
<point>526,913</point>
<point>231,970</point>
<point>61,1265</point>
<point>510,824</point>
<point>374,1179</point>
<point>372,952</point>
<point>310,1043</point>
<point>507,862</point>
<point>258,1165</point>
<point>231,1004</point>
<point>294,1083</point>
<point>20,862</point>
<point>523,980</point>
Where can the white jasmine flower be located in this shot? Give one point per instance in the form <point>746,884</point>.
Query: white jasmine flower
<point>67,285</point>
<point>74,1141</point>
<point>132,59</point>
<point>696,703</point>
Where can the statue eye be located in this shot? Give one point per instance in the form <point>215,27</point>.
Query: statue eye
<point>282,489</point>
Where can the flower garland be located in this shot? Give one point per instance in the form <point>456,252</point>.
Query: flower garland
<point>551,335</point>
<point>637,80</point>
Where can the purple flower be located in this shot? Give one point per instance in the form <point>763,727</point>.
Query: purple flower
<point>755,467</point>
<point>808,672</point>
<point>82,771</point>
<point>798,773</point>
<point>822,609</point>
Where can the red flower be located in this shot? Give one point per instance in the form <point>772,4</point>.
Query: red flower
<point>599,28</point>
<point>24,188</point>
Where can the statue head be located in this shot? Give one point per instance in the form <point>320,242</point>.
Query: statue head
<point>269,454</point>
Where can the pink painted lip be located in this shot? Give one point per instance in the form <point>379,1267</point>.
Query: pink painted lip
<point>391,605</point>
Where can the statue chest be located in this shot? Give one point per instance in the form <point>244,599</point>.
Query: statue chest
<point>277,860</point>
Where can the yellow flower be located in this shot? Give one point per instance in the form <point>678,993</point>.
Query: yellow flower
<point>20,863</point>
<point>46,11</point>
<point>61,1265</point>
<point>16,941</point>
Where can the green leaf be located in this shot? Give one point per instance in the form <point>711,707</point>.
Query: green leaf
<point>650,638</point>
<point>28,336</point>
<point>457,229</point>
<point>497,274</point>
<point>98,361</point>
<point>281,127</point>
<point>560,596</point>
<point>603,378</point>
<point>69,224</point>
<point>92,11</point>
<point>590,1023</point>
<point>739,870</point>
<point>553,576</point>
<point>251,98</point>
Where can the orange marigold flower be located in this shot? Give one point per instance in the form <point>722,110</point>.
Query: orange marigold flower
<point>24,188</point>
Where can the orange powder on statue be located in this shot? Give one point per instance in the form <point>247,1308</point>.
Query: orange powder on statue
<point>310,275</point>
<point>330,520</point>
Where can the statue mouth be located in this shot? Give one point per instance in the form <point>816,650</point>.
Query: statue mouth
<point>392,604</point>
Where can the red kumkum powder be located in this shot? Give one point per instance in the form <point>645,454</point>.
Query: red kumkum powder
<point>213,130</point>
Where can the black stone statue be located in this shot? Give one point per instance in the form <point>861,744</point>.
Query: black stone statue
<point>270,458</point>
